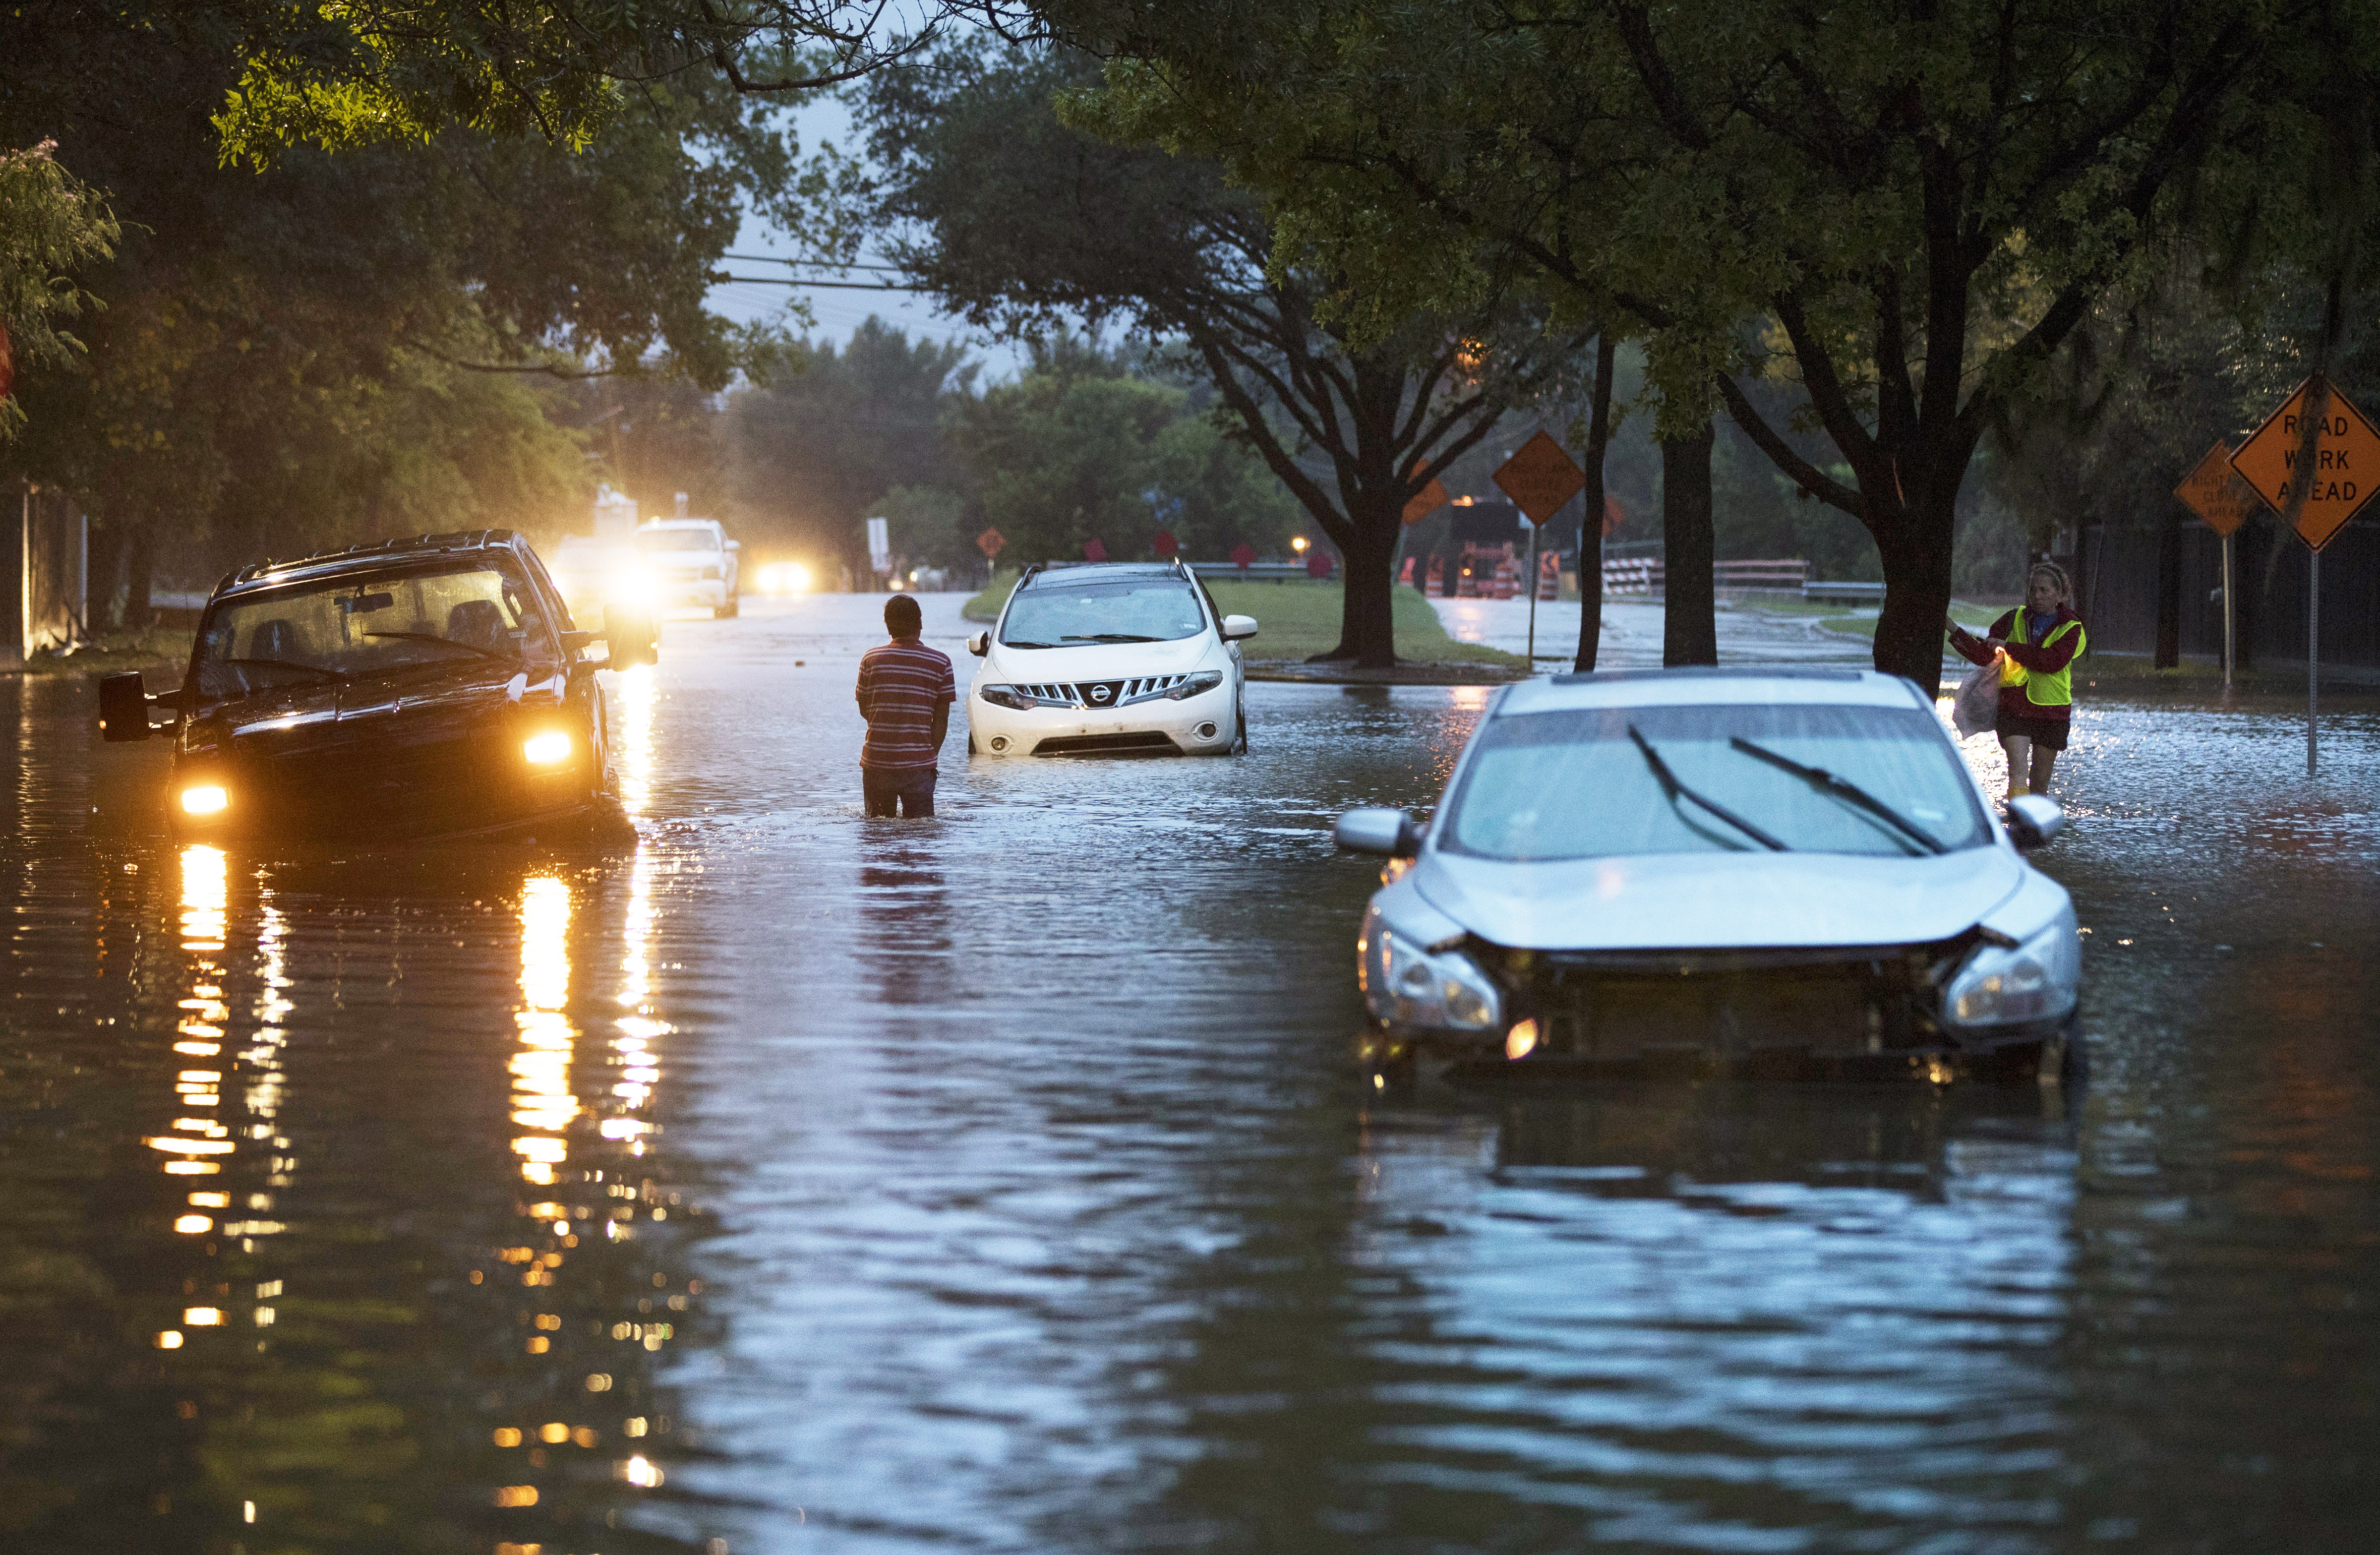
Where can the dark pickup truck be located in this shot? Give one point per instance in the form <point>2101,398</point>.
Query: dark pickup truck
<point>404,687</point>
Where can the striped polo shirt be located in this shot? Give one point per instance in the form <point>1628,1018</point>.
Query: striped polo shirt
<point>900,684</point>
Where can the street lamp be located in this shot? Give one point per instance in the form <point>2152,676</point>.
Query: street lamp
<point>1298,545</point>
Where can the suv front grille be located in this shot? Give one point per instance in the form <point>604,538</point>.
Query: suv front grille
<point>1084,745</point>
<point>1097,695</point>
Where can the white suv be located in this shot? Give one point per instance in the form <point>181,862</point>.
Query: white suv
<point>1110,657</point>
<point>691,562</point>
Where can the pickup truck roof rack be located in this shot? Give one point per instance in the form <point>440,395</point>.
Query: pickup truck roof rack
<point>455,540</point>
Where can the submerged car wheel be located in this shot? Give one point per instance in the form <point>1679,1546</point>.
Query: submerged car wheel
<point>1239,741</point>
<point>733,608</point>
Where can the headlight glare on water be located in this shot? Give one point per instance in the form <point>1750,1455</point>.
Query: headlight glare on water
<point>205,798</point>
<point>544,751</point>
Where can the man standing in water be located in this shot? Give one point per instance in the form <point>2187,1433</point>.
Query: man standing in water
<point>905,691</point>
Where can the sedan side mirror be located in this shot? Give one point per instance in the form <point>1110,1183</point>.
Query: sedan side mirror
<point>1378,830</point>
<point>123,707</point>
<point>1236,627</point>
<point>633,635</point>
<point>980,644</point>
<point>2032,820</point>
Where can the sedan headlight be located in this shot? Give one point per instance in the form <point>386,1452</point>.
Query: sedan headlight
<point>2006,986</point>
<point>1004,697</point>
<point>1404,983</point>
<point>1195,685</point>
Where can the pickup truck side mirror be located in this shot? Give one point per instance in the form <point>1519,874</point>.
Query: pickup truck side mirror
<point>980,644</point>
<point>633,635</point>
<point>123,707</point>
<point>1237,627</point>
<point>734,545</point>
<point>2032,820</point>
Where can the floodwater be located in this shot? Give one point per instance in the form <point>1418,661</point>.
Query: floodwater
<point>796,1182</point>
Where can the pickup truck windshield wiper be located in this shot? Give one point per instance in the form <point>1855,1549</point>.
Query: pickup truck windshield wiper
<point>1850,793</point>
<point>448,642</point>
<point>290,664</point>
<point>1677,790</point>
<point>1110,636</point>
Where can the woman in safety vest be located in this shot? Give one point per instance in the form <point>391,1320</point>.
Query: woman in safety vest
<point>2036,645</point>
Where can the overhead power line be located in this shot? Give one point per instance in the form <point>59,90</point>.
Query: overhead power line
<point>836,285</point>
<point>812,264</point>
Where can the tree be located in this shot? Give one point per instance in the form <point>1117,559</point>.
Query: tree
<point>1924,202</point>
<point>51,223</point>
<point>1021,220</point>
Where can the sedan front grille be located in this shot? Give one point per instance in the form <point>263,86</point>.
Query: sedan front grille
<point>1097,695</point>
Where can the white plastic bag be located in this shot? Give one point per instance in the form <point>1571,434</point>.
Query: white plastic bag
<point>1976,704</point>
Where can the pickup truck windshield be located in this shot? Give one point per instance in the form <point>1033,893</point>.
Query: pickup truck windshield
<point>1128,610</point>
<point>1578,784</point>
<point>350,627</point>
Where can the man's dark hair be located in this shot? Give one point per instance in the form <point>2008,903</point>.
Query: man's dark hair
<point>901,616</point>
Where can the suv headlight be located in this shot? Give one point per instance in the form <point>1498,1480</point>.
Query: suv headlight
<point>1197,685</point>
<point>1404,983</point>
<point>1006,697</point>
<point>2032,981</point>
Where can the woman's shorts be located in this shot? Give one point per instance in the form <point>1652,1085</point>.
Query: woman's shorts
<point>2049,733</point>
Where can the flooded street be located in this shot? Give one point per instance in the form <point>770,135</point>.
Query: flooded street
<point>798,1182</point>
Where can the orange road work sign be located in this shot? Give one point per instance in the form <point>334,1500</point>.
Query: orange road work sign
<point>1426,500</point>
<point>1540,478</point>
<point>2214,491</point>
<point>990,542</point>
<point>2330,474</point>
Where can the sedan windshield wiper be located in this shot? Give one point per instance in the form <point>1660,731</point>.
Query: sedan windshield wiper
<point>290,664</point>
<point>1677,790</point>
<point>1843,788</point>
<point>1110,636</point>
<point>450,642</point>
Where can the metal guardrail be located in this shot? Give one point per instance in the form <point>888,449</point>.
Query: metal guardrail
<point>1843,593</point>
<point>1277,572</point>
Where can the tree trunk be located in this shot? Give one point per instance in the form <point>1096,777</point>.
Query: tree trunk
<point>1590,523</point>
<point>1367,592</point>
<point>1689,614</point>
<point>2168,616</point>
<point>1915,544</point>
<point>138,616</point>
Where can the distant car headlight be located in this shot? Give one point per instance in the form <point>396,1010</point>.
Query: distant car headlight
<point>2001,985</point>
<point>1404,983</point>
<point>1006,697</point>
<point>544,751</point>
<point>205,798</point>
<point>1197,685</point>
<point>629,587</point>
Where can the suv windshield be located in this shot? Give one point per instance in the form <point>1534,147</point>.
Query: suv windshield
<point>677,539</point>
<point>340,629</point>
<point>1576,785</point>
<point>1156,609</point>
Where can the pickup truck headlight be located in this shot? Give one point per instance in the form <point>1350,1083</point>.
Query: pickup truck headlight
<point>1004,697</point>
<point>2004,986</point>
<point>1406,984</point>
<point>205,798</point>
<point>544,751</point>
<point>1195,685</point>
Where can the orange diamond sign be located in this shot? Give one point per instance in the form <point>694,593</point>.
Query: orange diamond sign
<point>990,542</point>
<point>1540,478</point>
<point>2214,491</point>
<point>1426,500</point>
<point>2329,467</point>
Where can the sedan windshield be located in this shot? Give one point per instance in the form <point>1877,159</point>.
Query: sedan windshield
<point>339,629</point>
<point>1598,781</point>
<point>1157,609</point>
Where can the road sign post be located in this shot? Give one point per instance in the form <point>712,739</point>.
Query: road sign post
<point>2316,461</point>
<point>1539,480</point>
<point>2222,500</point>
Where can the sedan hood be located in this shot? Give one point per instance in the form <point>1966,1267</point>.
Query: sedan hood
<point>1719,901</point>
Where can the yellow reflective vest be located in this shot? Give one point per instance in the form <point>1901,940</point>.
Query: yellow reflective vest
<point>2044,688</point>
